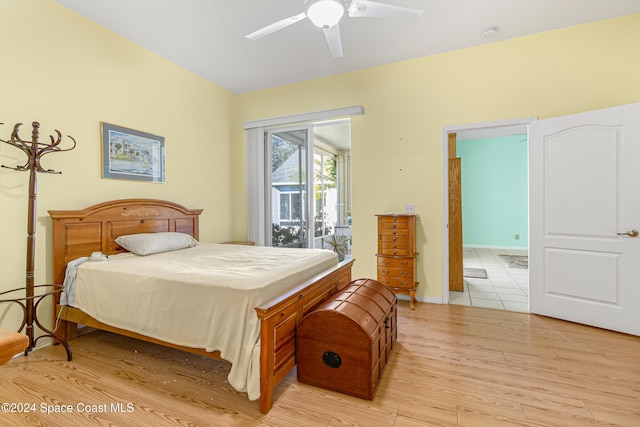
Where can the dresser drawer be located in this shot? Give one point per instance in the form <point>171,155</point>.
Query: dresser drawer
<point>395,250</point>
<point>394,226</point>
<point>400,221</point>
<point>395,272</point>
<point>394,238</point>
<point>394,232</point>
<point>396,262</point>
<point>397,283</point>
<point>391,233</point>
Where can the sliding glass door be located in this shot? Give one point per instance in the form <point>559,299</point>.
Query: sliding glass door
<point>289,168</point>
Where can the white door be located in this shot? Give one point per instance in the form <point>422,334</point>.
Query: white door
<point>584,184</point>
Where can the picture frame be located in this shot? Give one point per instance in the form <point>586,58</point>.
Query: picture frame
<point>130,154</point>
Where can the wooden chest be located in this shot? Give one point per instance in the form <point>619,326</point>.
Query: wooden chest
<point>345,343</point>
<point>396,257</point>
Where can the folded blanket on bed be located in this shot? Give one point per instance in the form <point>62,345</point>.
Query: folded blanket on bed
<point>68,294</point>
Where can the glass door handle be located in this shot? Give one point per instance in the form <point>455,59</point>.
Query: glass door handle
<point>630,233</point>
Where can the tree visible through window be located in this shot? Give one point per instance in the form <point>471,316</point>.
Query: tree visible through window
<point>325,192</point>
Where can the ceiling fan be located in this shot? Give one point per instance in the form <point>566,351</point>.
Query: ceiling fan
<point>326,14</point>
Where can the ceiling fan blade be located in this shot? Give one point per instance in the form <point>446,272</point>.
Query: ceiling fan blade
<point>334,40</point>
<point>372,9</point>
<point>279,25</point>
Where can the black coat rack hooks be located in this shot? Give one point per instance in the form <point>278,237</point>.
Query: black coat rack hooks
<point>35,150</point>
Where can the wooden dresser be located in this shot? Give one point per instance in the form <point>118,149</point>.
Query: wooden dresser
<point>397,254</point>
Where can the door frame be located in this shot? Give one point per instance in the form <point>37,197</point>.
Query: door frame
<point>525,121</point>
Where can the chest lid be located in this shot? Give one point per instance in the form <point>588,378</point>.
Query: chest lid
<point>352,317</point>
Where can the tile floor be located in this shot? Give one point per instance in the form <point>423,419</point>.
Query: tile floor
<point>504,288</point>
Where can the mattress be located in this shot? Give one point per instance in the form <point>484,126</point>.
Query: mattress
<point>202,297</point>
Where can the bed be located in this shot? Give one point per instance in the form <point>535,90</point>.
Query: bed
<point>79,233</point>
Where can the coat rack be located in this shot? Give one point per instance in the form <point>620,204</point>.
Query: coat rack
<point>35,150</point>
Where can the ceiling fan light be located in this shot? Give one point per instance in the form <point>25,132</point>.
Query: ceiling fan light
<point>325,13</point>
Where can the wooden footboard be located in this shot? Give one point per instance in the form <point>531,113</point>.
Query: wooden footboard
<point>81,232</point>
<point>278,321</point>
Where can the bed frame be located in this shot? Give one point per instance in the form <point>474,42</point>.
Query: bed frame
<point>78,233</point>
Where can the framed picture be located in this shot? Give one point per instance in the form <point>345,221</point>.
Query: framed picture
<point>131,154</point>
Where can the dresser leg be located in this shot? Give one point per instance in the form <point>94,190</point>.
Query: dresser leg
<point>412,295</point>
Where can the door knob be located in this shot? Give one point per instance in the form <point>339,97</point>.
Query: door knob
<point>630,233</point>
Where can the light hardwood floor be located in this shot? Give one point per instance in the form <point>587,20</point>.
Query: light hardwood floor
<point>452,366</point>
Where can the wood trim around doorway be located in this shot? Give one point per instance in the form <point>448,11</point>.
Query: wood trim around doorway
<point>456,279</point>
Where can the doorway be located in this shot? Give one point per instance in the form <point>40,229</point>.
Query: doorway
<point>289,186</point>
<point>491,251</point>
<point>307,185</point>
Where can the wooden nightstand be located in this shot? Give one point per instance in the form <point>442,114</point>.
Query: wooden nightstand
<point>11,343</point>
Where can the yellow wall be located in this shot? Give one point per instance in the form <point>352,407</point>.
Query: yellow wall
<point>397,144</point>
<point>70,74</point>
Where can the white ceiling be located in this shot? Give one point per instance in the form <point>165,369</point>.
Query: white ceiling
<point>336,134</point>
<point>208,36</point>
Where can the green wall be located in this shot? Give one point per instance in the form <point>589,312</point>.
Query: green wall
<point>494,191</point>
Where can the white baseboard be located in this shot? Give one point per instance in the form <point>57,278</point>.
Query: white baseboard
<point>519,248</point>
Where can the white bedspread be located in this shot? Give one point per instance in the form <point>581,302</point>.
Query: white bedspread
<point>202,297</point>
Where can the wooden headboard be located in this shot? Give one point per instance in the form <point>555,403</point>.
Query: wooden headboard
<point>94,229</point>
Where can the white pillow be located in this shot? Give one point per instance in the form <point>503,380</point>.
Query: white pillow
<point>153,243</point>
